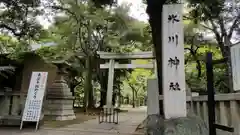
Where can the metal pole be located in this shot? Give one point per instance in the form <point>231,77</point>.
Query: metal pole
<point>210,89</point>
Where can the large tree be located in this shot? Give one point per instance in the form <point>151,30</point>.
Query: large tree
<point>18,17</point>
<point>84,30</point>
<point>220,18</point>
<point>154,10</point>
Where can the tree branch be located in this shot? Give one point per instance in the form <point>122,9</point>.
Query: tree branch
<point>206,27</point>
<point>234,25</point>
<point>222,27</point>
<point>12,30</point>
<point>198,62</point>
<point>66,10</point>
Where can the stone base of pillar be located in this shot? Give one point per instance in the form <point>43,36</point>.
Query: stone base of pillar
<point>59,109</point>
<point>108,109</point>
<point>59,103</point>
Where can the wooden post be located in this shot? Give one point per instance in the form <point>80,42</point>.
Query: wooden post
<point>211,100</point>
<point>205,112</point>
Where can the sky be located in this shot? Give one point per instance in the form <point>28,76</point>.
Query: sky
<point>137,10</point>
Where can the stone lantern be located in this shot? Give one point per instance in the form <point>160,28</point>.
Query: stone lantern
<point>59,103</point>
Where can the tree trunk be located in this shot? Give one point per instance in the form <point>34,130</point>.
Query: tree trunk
<point>114,99</point>
<point>133,98</point>
<point>116,91</point>
<point>226,53</point>
<point>230,79</point>
<point>88,90</point>
<point>103,98</point>
<point>72,87</point>
<point>91,98</point>
<point>229,70</point>
<point>103,81</point>
<point>154,10</point>
<point>136,99</point>
<point>119,99</point>
<point>128,100</point>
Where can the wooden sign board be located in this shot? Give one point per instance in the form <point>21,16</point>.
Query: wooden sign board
<point>174,93</point>
<point>34,101</point>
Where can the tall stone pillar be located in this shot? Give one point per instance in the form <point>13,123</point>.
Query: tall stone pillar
<point>59,103</point>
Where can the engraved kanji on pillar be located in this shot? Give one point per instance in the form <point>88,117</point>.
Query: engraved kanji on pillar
<point>173,62</point>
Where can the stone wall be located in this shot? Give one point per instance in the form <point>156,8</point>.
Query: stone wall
<point>32,63</point>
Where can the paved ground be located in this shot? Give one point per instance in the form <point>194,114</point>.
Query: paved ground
<point>128,122</point>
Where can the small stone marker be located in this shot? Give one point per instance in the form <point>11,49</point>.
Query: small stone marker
<point>152,97</point>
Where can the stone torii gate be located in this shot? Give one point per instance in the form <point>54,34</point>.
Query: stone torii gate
<point>111,65</point>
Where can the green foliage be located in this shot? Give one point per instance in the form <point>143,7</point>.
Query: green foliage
<point>81,31</point>
<point>10,45</point>
<point>219,17</point>
<point>136,81</point>
<point>195,49</point>
<point>206,10</point>
<point>87,29</point>
<point>19,18</point>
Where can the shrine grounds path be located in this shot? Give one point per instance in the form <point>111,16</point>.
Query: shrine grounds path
<point>128,122</point>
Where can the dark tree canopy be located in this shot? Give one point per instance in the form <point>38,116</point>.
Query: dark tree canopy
<point>100,3</point>
<point>18,17</point>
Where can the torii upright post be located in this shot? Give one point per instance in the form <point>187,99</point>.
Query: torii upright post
<point>110,83</point>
